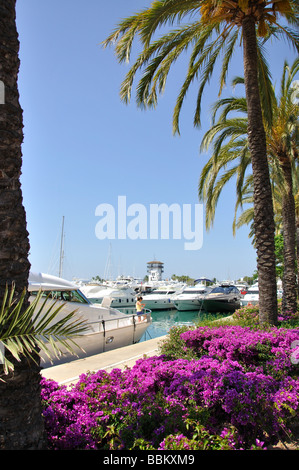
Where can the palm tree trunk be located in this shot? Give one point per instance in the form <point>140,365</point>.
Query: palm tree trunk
<point>21,425</point>
<point>289,241</point>
<point>14,244</point>
<point>263,206</point>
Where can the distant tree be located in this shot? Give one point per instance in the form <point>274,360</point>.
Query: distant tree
<point>184,278</point>
<point>97,279</point>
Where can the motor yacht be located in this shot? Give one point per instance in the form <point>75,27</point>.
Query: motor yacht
<point>120,295</point>
<point>222,298</point>
<point>161,298</point>
<point>251,297</point>
<point>191,297</point>
<point>108,328</point>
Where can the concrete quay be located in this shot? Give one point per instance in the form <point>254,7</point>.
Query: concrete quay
<point>69,373</point>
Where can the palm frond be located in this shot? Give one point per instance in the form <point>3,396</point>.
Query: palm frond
<point>227,57</point>
<point>166,12</point>
<point>265,85</point>
<point>228,105</point>
<point>26,331</point>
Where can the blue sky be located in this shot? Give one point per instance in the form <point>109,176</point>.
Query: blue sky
<point>83,147</point>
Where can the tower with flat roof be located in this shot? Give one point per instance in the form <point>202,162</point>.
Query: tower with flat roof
<point>155,270</point>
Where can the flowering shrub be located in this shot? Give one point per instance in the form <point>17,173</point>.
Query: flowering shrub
<point>257,350</point>
<point>249,315</point>
<point>239,390</point>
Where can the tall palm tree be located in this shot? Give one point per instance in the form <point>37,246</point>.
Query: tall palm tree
<point>282,145</point>
<point>14,243</point>
<point>21,423</point>
<point>215,27</point>
<point>22,386</point>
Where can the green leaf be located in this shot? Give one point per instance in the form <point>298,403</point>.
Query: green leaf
<point>27,331</point>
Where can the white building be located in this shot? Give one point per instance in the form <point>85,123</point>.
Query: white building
<point>155,270</point>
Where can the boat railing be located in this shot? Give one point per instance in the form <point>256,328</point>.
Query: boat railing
<point>106,327</point>
<point>120,322</point>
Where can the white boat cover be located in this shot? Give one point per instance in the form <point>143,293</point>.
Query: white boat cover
<point>43,281</point>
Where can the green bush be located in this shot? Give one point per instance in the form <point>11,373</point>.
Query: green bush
<point>174,347</point>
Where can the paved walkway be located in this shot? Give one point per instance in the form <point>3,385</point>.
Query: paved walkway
<point>67,374</point>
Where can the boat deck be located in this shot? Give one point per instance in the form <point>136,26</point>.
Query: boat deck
<point>69,373</point>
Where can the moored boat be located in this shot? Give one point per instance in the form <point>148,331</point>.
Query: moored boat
<point>191,297</point>
<point>251,297</point>
<point>160,298</point>
<point>120,295</point>
<point>108,328</point>
<point>222,298</point>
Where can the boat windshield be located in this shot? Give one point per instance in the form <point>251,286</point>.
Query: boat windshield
<point>163,292</point>
<point>67,295</point>
<point>225,290</point>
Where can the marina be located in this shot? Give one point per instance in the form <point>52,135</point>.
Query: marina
<point>117,334</point>
<point>162,322</point>
<point>106,328</point>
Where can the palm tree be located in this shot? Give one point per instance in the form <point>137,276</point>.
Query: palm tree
<point>215,27</point>
<point>21,423</point>
<point>22,386</point>
<point>282,144</point>
<point>14,243</point>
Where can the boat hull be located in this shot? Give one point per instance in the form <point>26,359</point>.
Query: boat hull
<point>187,305</point>
<point>213,305</point>
<point>165,304</point>
<point>101,337</point>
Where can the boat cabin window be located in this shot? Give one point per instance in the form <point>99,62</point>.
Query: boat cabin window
<point>161,292</point>
<point>193,291</point>
<point>225,290</point>
<point>67,296</point>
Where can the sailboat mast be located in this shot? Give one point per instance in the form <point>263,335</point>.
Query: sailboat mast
<point>61,249</point>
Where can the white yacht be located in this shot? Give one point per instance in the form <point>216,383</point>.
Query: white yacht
<point>108,328</point>
<point>251,297</point>
<point>222,298</point>
<point>161,298</point>
<point>120,295</point>
<point>191,297</point>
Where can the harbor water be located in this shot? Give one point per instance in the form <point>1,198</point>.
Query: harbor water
<point>164,320</point>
